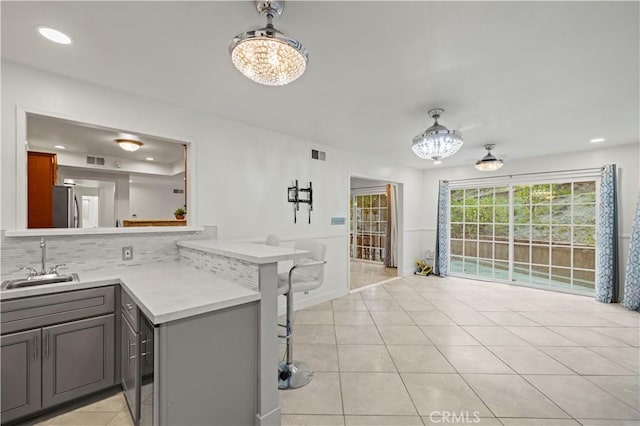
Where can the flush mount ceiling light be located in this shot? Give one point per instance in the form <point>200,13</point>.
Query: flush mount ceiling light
<point>597,140</point>
<point>489,162</point>
<point>129,142</point>
<point>266,55</point>
<point>437,142</point>
<point>54,35</point>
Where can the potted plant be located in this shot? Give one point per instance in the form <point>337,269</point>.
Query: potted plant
<point>179,213</point>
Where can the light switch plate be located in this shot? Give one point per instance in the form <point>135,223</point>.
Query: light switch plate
<point>338,220</point>
<point>127,253</point>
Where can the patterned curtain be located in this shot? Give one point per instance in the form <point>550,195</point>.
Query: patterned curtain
<point>391,243</point>
<point>632,275</point>
<point>607,238</point>
<point>442,231</point>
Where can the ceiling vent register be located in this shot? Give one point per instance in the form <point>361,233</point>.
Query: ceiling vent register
<point>95,160</point>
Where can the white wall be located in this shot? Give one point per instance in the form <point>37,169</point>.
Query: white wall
<point>154,201</point>
<point>242,172</point>
<point>625,157</point>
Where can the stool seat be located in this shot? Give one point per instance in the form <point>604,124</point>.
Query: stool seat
<point>306,274</point>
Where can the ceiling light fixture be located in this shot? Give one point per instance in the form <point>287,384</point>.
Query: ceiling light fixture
<point>149,158</point>
<point>60,146</point>
<point>437,141</point>
<point>597,140</point>
<point>437,162</point>
<point>489,162</point>
<point>54,35</point>
<point>266,55</point>
<point>129,142</point>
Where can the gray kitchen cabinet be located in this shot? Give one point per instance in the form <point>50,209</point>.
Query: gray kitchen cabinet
<point>20,381</point>
<point>78,359</point>
<point>129,364</point>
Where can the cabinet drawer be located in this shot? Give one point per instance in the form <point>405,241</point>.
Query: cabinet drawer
<point>129,309</point>
<point>38,311</point>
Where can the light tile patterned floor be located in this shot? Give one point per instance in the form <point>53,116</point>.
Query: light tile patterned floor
<point>422,351</point>
<point>366,273</point>
<point>427,350</point>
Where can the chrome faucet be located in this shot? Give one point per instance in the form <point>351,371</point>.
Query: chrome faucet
<point>43,248</point>
<point>52,272</point>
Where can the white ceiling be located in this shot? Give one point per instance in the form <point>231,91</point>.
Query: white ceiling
<point>531,77</point>
<point>45,132</point>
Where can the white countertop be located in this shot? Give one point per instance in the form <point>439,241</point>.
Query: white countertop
<point>164,291</point>
<point>253,253</point>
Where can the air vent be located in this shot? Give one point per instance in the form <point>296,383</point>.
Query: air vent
<point>318,155</point>
<point>96,161</point>
<point>178,191</point>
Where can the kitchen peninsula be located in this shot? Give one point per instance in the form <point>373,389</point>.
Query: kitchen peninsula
<point>213,315</point>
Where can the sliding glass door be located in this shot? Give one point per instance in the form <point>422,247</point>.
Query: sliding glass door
<point>538,234</point>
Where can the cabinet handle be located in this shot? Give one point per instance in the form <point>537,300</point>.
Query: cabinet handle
<point>46,345</point>
<point>35,348</point>
<point>128,306</point>
<point>129,357</point>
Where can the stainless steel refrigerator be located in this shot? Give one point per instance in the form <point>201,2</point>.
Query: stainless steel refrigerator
<point>65,207</point>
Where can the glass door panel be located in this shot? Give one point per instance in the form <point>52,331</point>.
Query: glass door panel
<point>550,242</point>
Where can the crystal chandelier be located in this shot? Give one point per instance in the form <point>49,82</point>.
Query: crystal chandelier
<point>489,162</point>
<point>266,55</point>
<point>437,141</point>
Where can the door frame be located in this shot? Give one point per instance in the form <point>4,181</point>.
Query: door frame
<point>400,212</point>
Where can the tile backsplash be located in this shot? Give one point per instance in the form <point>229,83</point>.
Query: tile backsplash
<point>236,270</point>
<point>92,252</point>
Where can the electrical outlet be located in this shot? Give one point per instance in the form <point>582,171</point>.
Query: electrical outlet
<point>127,253</point>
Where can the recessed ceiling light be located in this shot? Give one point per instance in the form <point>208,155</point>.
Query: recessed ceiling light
<point>597,140</point>
<point>60,146</point>
<point>149,158</point>
<point>54,35</point>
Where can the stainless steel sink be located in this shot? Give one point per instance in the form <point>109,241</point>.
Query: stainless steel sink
<point>39,280</point>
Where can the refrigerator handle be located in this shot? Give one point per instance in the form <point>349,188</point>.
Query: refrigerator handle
<point>76,212</point>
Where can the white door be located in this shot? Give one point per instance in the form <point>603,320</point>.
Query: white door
<point>90,209</point>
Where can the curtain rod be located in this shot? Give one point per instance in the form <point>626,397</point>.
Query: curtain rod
<point>592,169</point>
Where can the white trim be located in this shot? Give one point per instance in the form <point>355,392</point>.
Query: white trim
<point>292,239</point>
<point>369,191</point>
<point>401,215</point>
<point>420,230</point>
<point>21,165</point>
<point>542,177</point>
<point>44,232</point>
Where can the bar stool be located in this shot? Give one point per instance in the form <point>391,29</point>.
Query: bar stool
<point>306,275</point>
<point>272,240</point>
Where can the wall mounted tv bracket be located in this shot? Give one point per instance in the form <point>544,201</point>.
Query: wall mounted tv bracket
<point>297,195</point>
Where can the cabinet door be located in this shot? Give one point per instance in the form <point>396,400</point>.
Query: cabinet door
<point>21,371</point>
<point>146,347</point>
<point>78,359</point>
<point>130,367</point>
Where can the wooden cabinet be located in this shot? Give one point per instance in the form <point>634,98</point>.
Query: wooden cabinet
<point>78,359</point>
<point>42,174</point>
<point>21,374</point>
